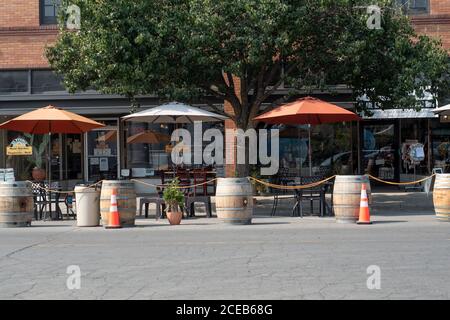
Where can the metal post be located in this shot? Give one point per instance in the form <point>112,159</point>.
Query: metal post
<point>309,150</point>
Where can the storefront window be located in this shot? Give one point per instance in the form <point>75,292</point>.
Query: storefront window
<point>102,152</point>
<point>441,145</point>
<point>146,148</point>
<point>379,150</point>
<point>24,164</point>
<point>414,133</point>
<point>331,146</point>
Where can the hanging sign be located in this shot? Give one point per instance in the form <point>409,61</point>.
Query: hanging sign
<point>19,147</point>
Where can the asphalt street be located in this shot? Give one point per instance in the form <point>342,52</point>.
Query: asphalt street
<point>274,258</point>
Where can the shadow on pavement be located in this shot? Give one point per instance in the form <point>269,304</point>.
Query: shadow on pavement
<point>392,221</point>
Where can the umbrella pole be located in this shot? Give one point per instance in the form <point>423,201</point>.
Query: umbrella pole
<point>49,169</point>
<point>309,149</point>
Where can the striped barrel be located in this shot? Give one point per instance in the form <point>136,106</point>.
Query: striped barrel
<point>347,197</point>
<point>126,201</point>
<point>234,200</point>
<point>16,204</point>
<point>441,197</point>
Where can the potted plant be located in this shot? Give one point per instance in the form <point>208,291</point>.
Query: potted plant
<point>174,199</point>
<point>258,188</point>
<point>38,172</point>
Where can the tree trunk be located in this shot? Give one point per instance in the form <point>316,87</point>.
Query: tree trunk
<point>243,169</point>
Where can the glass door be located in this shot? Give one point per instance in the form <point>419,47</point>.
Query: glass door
<point>103,152</point>
<point>380,154</point>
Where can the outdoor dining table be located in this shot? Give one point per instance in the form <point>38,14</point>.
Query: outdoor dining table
<point>308,193</point>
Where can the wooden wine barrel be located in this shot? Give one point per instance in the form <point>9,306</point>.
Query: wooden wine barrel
<point>126,201</point>
<point>16,204</point>
<point>441,197</point>
<point>234,200</point>
<point>347,197</point>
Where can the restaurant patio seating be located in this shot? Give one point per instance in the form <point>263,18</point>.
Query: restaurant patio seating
<point>44,199</point>
<point>315,193</point>
<point>200,194</point>
<point>285,179</point>
<point>159,203</point>
<point>39,199</point>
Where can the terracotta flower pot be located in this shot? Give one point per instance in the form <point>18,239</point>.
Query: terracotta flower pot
<point>174,217</point>
<point>38,174</point>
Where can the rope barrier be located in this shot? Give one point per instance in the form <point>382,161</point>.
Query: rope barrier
<point>401,183</point>
<point>268,184</point>
<point>178,187</point>
<point>294,187</point>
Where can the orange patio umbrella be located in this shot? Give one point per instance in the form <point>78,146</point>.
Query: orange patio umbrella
<point>50,120</point>
<point>309,111</point>
<point>108,137</point>
<point>148,136</point>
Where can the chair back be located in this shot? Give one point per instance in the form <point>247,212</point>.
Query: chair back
<point>199,176</point>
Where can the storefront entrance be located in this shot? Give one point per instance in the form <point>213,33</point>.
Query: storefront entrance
<point>379,153</point>
<point>102,152</point>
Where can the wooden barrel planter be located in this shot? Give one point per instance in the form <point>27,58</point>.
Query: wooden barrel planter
<point>347,197</point>
<point>441,197</point>
<point>234,200</point>
<point>16,204</point>
<point>126,201</point>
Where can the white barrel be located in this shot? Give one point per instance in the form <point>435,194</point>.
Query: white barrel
<point>87,202</point>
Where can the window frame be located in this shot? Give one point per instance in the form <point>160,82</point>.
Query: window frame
<point>18,93</point>
<point>47,20</point>
<point>406,7</point>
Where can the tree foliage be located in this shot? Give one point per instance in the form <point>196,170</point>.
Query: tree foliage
<point>193,48</point>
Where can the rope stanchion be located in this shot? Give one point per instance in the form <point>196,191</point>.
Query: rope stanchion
<point>295,187</point>
<point>400,183</point>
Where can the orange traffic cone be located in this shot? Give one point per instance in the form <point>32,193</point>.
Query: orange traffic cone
<point>364,215</point>
<point>113,218</point>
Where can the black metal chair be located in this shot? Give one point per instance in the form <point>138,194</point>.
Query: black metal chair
<point>39,199</point>
<point>315,193</point>
<point>285,179</point>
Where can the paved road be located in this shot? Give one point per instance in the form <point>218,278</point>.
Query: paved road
<point>275,258</point>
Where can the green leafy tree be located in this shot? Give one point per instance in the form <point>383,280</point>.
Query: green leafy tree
<point>242,51</point>
<point>121,47</point>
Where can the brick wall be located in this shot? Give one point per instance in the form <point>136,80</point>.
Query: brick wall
<point>439,7</point>
<point>437,23</point>
<point>22,39</point>
<point>22,50</point>
<point>440,31</point>
<point>19,13</point>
